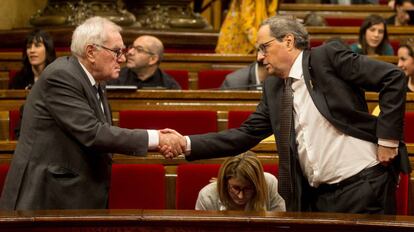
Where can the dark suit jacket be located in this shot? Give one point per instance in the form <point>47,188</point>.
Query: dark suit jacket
<point>62,159</point>
<point>242,79</point>
<point>334,77</point>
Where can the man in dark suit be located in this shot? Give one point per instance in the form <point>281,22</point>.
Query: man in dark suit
<point>342,159</point>
<point>63,157</point>
<point>142,69</point>
<point>247,78</point>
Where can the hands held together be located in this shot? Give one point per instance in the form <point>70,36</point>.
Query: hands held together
<point>171,143</point>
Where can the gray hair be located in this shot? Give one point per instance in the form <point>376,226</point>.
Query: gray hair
<point>280,26</point>
<point>94,30</point>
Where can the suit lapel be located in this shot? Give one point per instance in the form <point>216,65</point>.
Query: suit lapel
<point>314,90</point>
<point>91,94</point>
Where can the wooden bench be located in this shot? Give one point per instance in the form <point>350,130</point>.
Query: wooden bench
<point>192,62</point>
<point>202,221</point>
<point>361,11</point>
<point>220,101</point>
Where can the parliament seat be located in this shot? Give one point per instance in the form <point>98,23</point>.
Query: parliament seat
<point>409,127</point>
<point>236,118</point>
<point>343,21</point>
<point>211,79</point>
<point>191,178</point>
<point>186,122</point>
<point>137,186</point>
<point>14,118</point>
<point>4,168</point>
<point>181,76</point>
<point>402,194</point>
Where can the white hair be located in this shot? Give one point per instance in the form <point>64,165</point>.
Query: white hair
<point>94,30</point>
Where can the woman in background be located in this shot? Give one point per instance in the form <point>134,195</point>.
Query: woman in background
<point>406,63</point>
<point>38,52</point>
<point>241,185</point>
<point>373,38</point>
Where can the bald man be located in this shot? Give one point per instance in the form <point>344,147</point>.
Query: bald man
<point>142,69</point>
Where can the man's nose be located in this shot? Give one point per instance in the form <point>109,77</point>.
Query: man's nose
<point>260,56</point>
<point>122,58</point>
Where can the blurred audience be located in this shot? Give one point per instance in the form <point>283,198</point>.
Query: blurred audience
<point>406,62</point>
<point>248,78</point>
<point>373,37</point>
<point>38,52</point>
<point>314,20</point>
<point>241,185</point>
<point>402,15</point>
<point>142,68</point>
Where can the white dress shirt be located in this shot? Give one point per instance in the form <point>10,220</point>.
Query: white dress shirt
<point>153,137</point>
<point>326,154</point>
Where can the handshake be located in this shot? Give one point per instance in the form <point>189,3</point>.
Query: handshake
<point>171,143</point>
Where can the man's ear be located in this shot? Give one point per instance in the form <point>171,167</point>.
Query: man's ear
<point>290,41</point>
<point>90,53</point>
<point>153,59</point>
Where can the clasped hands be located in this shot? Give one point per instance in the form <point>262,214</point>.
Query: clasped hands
<point>171,143</point>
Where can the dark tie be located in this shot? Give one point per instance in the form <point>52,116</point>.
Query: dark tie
<point>99,95</point>
<point>286,125</point>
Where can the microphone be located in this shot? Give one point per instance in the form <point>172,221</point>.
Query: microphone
<point>242,87</point>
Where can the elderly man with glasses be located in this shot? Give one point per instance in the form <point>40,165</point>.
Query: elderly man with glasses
<point>64,155</point>
<point>142,70</point>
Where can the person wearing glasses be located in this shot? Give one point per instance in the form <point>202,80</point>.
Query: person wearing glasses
<point>241,185</point>
<point>142,68</point>
<point>64,154</point>
<point>334,156</point>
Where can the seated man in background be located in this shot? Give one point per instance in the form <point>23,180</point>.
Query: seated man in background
<point>241,185</point>
<point>142,68</point>
<point>248,78</point>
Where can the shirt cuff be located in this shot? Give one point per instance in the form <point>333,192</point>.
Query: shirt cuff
<point>388,143</point>
<point>188,147</point>
<point>153,139</point>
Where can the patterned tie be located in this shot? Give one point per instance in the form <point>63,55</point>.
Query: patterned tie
<point>286,116</point>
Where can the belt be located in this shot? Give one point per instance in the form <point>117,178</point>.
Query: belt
<point>371,172</point>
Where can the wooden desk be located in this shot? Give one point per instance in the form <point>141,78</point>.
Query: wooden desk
<point>361,10</point>
<point>220,101</point>
<point>190,220</point>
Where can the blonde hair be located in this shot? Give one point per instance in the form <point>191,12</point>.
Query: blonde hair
<point>248,167</point>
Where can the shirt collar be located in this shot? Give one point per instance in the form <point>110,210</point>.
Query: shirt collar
<point>90,77</point>
<point>296,71</point>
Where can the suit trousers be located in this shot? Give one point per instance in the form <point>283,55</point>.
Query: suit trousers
<point>372,191</point>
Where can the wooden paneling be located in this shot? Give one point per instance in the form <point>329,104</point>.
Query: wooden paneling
<point>190,220</point>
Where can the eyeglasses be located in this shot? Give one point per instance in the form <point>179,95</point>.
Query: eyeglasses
<point>118,52</point>
<point>140,49</point>
<point>261,49</point>
<point>237,190</point>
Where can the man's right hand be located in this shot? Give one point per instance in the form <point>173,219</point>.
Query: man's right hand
<point>171,143</point>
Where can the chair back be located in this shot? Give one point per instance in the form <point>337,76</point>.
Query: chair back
<point>137,186</point>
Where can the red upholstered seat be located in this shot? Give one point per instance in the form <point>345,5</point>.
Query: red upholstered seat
<point>14,118</point>
<point>191,178</point>
<point>236,118</point>
<point>395,44</point>
<point>211,79</point>
<point>137,186</point>
<point>4,168</point>
<point>402,194</point>
<point>409,127</point>
<point>342,21</point>
<point>181,76</point>
<point>186,122</point>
